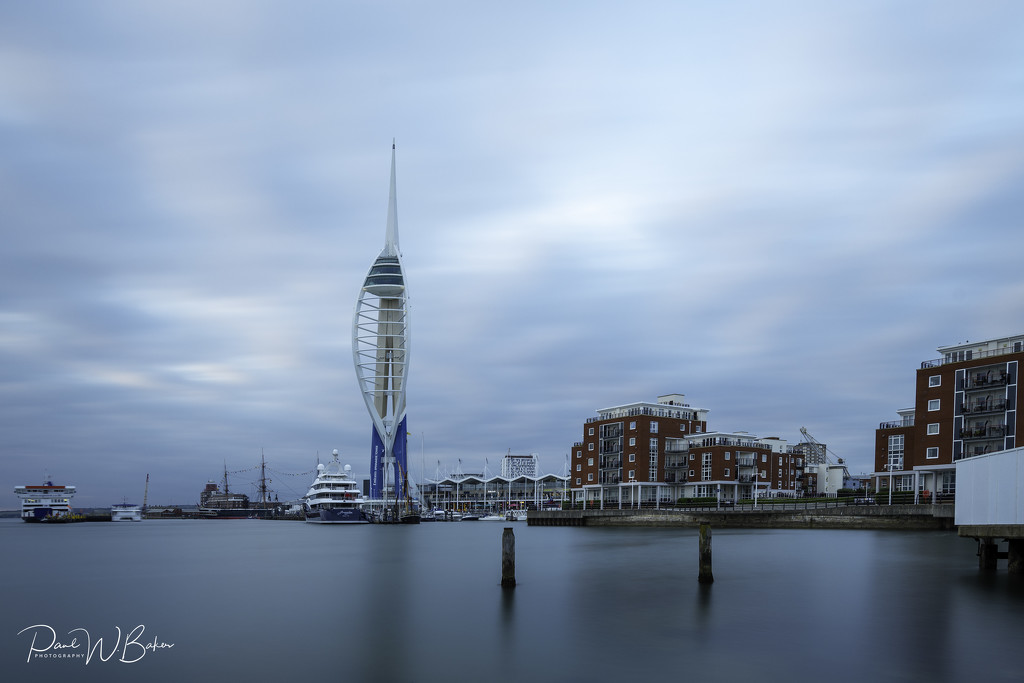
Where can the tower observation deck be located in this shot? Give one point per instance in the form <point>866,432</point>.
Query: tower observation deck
<point>380,350</point>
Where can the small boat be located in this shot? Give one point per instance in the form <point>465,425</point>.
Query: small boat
<point>125,512</point>
<point>515,516</point>
<point>334,496</point>
<point>492,518</point>
<point>470,517</point>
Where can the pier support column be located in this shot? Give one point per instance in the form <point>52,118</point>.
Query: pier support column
<point>988,552</point>
<point>705,575</point>
<point>1015,556</point>
<point>508,558</point>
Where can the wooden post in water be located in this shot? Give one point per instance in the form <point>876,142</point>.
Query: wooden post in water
<point>705,575</point>
<point>508,558</point>
<point>988,552</point>
<point>1015,555</point>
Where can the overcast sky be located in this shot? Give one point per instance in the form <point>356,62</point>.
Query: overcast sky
<point>778,209</point>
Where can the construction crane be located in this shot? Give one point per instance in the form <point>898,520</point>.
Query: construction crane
<point>825,450</point>
<point>830,457</point>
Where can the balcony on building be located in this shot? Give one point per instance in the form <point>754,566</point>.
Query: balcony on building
<point>677,460</point>
<point>906,419</point>
<point>984,378</point>
<point>980,405</point>
<point>709,441</point>
<point>676,445</point>
<point>983,431</point>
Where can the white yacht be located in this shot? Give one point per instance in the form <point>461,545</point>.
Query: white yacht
<point>125,512</point>
<point>47,501</point>
<point>334,497</point>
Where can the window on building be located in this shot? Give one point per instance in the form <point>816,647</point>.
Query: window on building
<point>728,455</point>
<point>764,457</point>
<point>590,477</point>
<point>590,432</point>
<point>632,475</point>
<point>590,446</point>
<point>691,474</point>
<point>632,441</point>
<point>727,471</point>
<point>780,459</point>
<point>933,428</point>
<point>705,467</point>
<point>652,473</point>
<point>654,426</point>
<point>590,462</point>
<point>933,404</point>
<point>632,425</point>
<point>691,456</point>
<point>579,454</point>
<point>948,485</point>
<point>935,380</point>
<point>682,427</point>
<point>895,454</point>
<point>632,457</point>
<point>932,452</point>
<point>579,467</point>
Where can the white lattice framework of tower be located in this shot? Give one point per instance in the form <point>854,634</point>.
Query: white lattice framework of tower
<point>380,335</point>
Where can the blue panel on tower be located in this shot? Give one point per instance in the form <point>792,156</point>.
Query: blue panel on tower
<point>401,460</point>
<point>376,466</point>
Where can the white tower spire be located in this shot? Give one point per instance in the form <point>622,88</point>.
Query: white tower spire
<point>391,234</point>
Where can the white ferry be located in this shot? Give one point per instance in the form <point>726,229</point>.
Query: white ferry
<point>125,512</point>
<point>47,501</point>
<point>334,497</point>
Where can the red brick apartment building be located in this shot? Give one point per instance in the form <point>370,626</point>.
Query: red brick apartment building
<point>659,452</point>
<point>966,404</point>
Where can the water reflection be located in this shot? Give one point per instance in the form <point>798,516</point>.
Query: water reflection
<point>274,601</point>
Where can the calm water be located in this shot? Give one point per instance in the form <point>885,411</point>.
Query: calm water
<point>289,601</point>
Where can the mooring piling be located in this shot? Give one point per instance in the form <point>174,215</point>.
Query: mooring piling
<point>508,558</point>
<point>705,575</point>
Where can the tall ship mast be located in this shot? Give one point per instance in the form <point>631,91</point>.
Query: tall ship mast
<point>380,350</point>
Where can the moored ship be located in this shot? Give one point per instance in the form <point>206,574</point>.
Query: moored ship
<point>125,512</point>
<point>217,504</point>
<point>334,497</point>
<point>45,502</point>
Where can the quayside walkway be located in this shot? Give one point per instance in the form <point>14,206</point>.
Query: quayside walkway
<point>795,515</point>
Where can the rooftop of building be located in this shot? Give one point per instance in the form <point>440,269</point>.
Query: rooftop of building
<point>669,405</point>
<point>970,351</point>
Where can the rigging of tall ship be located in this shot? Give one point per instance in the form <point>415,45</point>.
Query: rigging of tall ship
<point>334,497</point>
<point>45,502</point>
<point>215,503</point>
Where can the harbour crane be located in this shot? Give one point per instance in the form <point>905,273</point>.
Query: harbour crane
<point>830,457</point>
